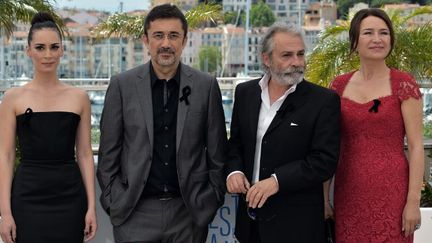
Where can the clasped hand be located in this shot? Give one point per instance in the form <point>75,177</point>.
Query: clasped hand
<point>257,194</point>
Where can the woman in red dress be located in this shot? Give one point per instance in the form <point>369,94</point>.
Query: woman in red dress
<point>377,188</point>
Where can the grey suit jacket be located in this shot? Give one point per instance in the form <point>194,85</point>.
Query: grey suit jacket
<point>126,145</point>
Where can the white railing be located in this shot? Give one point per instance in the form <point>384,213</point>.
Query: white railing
<point>91,84</point>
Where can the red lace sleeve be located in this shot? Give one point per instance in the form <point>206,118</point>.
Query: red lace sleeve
<point>333,85</point>
<point>338,84</point>
<point>408,87</point>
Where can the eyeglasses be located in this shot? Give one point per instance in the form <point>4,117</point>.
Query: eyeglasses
<point>161,36</point>
<point>254,214</point>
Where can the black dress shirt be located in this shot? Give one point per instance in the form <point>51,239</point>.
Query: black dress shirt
<point>163,173</point>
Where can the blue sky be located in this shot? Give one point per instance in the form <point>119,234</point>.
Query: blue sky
<point>107,5</point>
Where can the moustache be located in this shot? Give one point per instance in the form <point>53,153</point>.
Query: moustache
<point>165,50</point>
<point>293,70</point>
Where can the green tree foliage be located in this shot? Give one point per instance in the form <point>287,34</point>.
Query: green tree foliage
<point>230,17</point>
<point>380,3</point>
<point>261,15</point>
<point>422,2</point>
<point>209,12</point>
<point>343,7</point>
<point>209,59</point>
<point>426,195</point>
<point>12,11</point>
<point>412,52</point>
<point>123,24</point>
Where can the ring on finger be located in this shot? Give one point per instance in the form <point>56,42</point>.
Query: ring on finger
<point>417,226</point>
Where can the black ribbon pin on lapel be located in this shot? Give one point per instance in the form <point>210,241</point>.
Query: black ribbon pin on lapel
<point>374,108</point>
<point>186,91</point>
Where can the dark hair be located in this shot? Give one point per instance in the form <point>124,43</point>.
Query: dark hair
<point>165,11</point>
<point>42,20</point>
<point>354,30</point>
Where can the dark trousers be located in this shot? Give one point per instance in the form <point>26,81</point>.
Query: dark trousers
<point>255,235</point>
<point>160,221</point>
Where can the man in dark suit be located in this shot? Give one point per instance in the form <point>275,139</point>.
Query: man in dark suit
<point>163,139</point>
<point>284,144</point>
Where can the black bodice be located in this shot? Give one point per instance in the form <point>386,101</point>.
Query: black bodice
<point>47,135</point>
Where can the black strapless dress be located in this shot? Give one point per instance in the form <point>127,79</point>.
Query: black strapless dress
<point>48,197</point>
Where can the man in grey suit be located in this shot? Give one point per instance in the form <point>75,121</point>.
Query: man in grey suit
<point>163,139</point>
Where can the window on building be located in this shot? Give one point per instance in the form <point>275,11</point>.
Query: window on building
<point>98,51</point>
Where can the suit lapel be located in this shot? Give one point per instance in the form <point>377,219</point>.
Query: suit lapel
<point>143,84</point>
<point>291,104</point>
<point>254,107</point>
<point>182,110</point>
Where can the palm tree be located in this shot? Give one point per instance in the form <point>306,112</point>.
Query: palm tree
<point>122,24</point>
<point>412,52</point>
<point>23,11</point>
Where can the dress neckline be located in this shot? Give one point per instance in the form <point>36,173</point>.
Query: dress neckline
<point>385,97</point>
<point>381,98</point>
<point>50,112</point>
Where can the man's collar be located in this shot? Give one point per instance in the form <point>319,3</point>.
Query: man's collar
<point>263,83</point>
<point>154,78</point>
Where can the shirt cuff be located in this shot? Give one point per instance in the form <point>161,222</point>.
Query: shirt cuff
<point>274,176</point>
<point>234,172</point>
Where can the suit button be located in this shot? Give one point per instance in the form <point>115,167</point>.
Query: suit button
<point>264,142</point>
<point>264,169</point>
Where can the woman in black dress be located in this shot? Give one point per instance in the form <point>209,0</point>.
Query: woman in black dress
<point>51,196</point>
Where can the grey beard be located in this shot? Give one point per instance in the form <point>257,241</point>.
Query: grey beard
<point>289,77</point>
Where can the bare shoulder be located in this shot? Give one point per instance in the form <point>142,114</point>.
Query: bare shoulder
<point>13,92</point>
<point>74,98</point>
<point>79,93</point>
<point>10,101</point>
<point>11,95</point>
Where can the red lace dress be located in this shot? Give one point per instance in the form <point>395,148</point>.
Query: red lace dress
<point>371,180</point>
